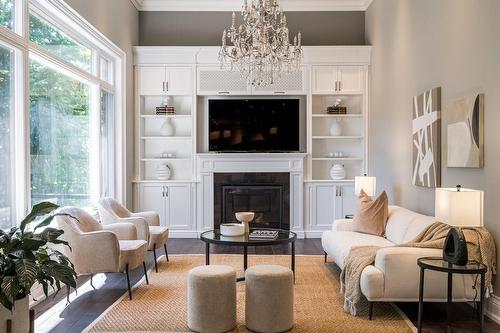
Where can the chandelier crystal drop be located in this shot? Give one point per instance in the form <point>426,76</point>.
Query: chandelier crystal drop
<point>260,47</point>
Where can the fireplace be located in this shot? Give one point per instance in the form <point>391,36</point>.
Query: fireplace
<point>266,194</point>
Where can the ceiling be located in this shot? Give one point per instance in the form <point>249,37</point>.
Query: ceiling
<point>235,5</point>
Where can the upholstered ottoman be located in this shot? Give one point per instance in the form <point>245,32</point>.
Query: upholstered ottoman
<point>212,299</point>
<point>269,298</point>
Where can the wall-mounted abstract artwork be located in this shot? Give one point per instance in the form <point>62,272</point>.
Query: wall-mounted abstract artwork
<point>465,128</point>
<point>427,138</point>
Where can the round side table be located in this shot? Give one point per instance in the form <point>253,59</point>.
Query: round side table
<point>439,265</point>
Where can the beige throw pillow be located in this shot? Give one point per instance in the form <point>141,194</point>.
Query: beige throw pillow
<point>371,215</point>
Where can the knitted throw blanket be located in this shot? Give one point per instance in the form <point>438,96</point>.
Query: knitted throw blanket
<point>480,247</point>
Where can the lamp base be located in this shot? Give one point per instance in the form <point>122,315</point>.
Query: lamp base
<point>455,247</point>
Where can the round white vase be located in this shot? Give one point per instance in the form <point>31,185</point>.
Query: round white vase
<point>20,317</point>
<point>163,172</point>
<point>337,172</point>
<point>336,128</point>
<point>168,128</point>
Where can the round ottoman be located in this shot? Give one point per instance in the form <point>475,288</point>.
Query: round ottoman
<point>269,298</point>
<point>211,298</point>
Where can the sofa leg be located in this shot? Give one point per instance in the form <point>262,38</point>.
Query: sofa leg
<point>326,256</point>
<point>145,271</point>
<point>166,253</point>
<point>370,310</point>
<point>128,283</point>
<point>154,255</point>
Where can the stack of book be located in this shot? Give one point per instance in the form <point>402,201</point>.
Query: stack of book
<point>336,110</point>
<point>263,234</point>
<point>165,110</point>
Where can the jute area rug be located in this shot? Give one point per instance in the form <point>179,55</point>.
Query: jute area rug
<point>161,305</point>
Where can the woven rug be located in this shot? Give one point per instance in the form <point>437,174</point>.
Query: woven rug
<point>161,305</point>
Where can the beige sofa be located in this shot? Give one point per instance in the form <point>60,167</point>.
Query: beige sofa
<point>394,277</point>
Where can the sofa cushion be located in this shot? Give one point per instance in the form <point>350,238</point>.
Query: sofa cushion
<point>371,215</point>
<point>338,244</point>
<point>404,225</point>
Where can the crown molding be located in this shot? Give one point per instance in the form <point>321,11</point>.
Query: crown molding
<point>235,5</point>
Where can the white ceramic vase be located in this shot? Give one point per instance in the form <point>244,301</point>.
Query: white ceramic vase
<point>20,317</point>
<point>337,172</point>
<point>168,128</point>
<point>163,172</point>
<point>336,128</point>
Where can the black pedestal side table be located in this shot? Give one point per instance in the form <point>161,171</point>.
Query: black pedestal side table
<point>439,265</point>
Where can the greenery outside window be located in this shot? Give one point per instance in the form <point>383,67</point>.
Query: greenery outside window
<point>7,14</point>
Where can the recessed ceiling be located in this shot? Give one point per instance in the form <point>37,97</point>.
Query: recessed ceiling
<point>235,5</point>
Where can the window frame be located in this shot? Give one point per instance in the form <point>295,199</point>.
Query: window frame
<point>60,14</point>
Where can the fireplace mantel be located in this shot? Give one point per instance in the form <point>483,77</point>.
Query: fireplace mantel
<point>210,163</point>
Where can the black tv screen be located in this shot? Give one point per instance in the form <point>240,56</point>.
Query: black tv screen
<point>253,125</point>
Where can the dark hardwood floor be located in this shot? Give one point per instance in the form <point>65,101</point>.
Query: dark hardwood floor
<point>88,306</point>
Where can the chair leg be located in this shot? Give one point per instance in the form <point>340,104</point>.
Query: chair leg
<point>92,281</point>
<point>154,255</point>
<point>145,271</point>
<point>128,283</point>
<point>166,253</point>
<point>370,311</point>
<point>326,256</point>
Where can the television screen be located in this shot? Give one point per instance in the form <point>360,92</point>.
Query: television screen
<point>253,125</point>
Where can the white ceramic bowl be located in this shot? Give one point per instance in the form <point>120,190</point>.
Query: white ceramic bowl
<point>245,217</point>
<point>232,229</point>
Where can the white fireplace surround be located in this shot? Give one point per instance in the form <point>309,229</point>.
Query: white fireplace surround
<point>210,163</point>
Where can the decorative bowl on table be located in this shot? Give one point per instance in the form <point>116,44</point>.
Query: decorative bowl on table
<point>232,229</point>
<point>245,218</point>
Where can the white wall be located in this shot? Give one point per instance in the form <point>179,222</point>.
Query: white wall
<point>119,21</point>
<point>422,44</point>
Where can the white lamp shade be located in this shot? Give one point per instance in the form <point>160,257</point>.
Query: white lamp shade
<point>462,208</point>
<point>365,183</point>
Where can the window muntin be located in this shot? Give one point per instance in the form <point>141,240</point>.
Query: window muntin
<point>59,138</point>
<point>57,42</point>
<point>106,70</point>
<point>7,218</point>
<point>7,15</point>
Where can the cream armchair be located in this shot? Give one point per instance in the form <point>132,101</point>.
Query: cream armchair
<point>97,248</point>
<point>147,224</point>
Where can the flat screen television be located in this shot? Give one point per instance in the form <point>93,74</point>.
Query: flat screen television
<point>253,125</point>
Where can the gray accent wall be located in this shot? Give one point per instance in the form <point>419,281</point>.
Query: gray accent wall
<point>205,28</point>
<point>118,20</point>
<point>422,44</point>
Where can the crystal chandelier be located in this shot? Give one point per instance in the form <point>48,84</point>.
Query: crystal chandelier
<point>260,47</point>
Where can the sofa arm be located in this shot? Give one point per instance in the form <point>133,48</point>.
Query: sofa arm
<point>342,225</point>
<point>96,252</point>
<point>140,224</point>
<point>123,231</point>
<point>151,217</point>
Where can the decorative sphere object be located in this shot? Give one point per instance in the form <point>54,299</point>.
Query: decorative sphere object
<point>168,128</point>
<point>232,229</point>
<point>337,172</point>
<point>163,172</point>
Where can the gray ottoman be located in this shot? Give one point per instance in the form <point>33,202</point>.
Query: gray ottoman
<point>212,299</point>
<point>269,298</point>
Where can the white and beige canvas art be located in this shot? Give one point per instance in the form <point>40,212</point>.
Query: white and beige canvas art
<point>426,128</point>
<point>465,133</point>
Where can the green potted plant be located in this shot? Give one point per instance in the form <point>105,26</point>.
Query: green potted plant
<point>27,257</point>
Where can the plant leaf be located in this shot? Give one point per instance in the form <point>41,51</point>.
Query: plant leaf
<point>40,209</point>
<point>5,301</point>
<point>26,271</point>
<point>10,287</point>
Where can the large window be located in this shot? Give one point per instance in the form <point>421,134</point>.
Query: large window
<point>6,115</point>
<point>59,138</point>
<point>61,109</point>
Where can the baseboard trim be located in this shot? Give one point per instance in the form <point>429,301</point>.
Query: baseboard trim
<point>493,308</point>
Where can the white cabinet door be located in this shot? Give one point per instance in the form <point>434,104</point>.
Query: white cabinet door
<point>215,81</point>
<point>324,79</point>
<point>179,81</point>
<point>151,80</point>
<point>323,205</point>
<point>348,201</point>
<point>351,79</point>
<point>179,206</point>
<point>152,198</point>
<point>293,83</point>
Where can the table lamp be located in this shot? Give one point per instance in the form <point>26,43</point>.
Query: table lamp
<point>460,208</point>
<point>365,183</point>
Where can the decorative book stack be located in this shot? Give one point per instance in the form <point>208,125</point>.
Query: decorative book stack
<point>263,234</point>
<point>336,110</point>
<point>165,110</point>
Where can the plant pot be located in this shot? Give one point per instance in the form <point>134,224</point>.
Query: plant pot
<point>20,317</point>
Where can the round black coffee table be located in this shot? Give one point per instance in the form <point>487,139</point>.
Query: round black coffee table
<point>439,265</point>
<point>215,237</point>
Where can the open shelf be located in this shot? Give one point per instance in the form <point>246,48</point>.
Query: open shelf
<point>327,137</point>
<point>165,138</point>
<point>172,116</point>
<point>326,115</point>
<point>173,159</point>
<point>337,159</point>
